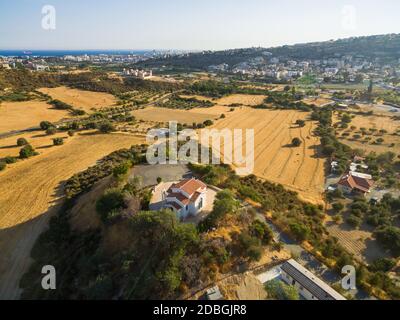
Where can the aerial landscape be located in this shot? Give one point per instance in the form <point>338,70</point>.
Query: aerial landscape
<point>317,121</point>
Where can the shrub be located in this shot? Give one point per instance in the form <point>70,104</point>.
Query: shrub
<point>9,160</point>
<point>58,141</point>
<point>300,232</point>
<point>121,169</point>
<point>279,290</point>
<point>301,123</point>
<point>261,231</point>
<point>113,199</point>
<point>106,127</point>
<point>2,165</point>
<point>27,152</point>
<point>71,133</point>
<point>159,180</point>
<point>354,221</point>
<point>383,265</point>
<point>44,125</point>
<point>208,123</point>
<point>296,142</point>
<point>338,207</point>
<point>22,142</point>
<point>51,131</point>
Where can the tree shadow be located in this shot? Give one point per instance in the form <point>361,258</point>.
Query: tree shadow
<point>42,135</point>
<point>9,147</point>
<point>45,147</point>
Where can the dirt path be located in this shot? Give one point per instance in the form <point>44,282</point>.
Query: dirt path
<point>30,192</point>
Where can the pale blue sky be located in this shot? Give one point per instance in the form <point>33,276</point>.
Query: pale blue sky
<point>189,24</point>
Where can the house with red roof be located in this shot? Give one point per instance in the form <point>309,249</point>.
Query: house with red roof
<point>354,182</point>
<point>187,197</point>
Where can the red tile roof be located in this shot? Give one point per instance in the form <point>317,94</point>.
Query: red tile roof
<point>179,196</point>
<point>354,182</point>
<point>189,186</point>
<point>192,187</point>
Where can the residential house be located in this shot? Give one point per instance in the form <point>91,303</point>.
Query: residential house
<point>355,182</point>
<point>186,198</point>
<point>310,287</point>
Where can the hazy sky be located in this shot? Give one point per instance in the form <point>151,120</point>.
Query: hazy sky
<point>191,24</point>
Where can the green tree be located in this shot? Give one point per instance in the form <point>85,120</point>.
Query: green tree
<point>112,199</point>
<point>58,141</point>
<point>22,142</point>
<point>106,127</point>
<point>44,125</point>
<point>27,152</point>
<point>122,169</point>
<point>279,290</point>
<point>296,142</point>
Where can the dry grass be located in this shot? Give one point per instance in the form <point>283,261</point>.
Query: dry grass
<point>162,115</point>
<point>30,192</point>
<point>40,141</point>
<point>80,99</point>
<point>372,122</point>
<point>299,169</point>
<point>317,101</point>
<point>23,115</point>
<point>358,242</point>
<point>243,99</point>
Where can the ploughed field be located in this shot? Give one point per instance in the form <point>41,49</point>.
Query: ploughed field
<point>30,191</point>
<point>300,169</point>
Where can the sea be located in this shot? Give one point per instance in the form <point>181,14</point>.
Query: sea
<point>60,53</point>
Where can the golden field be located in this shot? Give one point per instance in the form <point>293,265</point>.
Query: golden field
<point>30,191</point>
<point>81,99</point>
<point>377,122</point>
<point>243,99</point>
<point>299,169</point>
<point>198,115</point>
<point>23,115</point>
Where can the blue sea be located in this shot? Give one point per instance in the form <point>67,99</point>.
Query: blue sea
<point>60,53</point>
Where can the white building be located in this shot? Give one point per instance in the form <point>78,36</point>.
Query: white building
<point>140,74</point>
<point>187,198</point>
<point>310,287</point>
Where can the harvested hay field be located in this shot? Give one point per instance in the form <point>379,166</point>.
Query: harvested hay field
<point>155,114</point>
<point>319,102</point>
<point>81,99</point>
<point>299,169</point>
<point>243,99</point>
<point>30,193</point>
<point>24,115</point>
<point>41,142</point>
